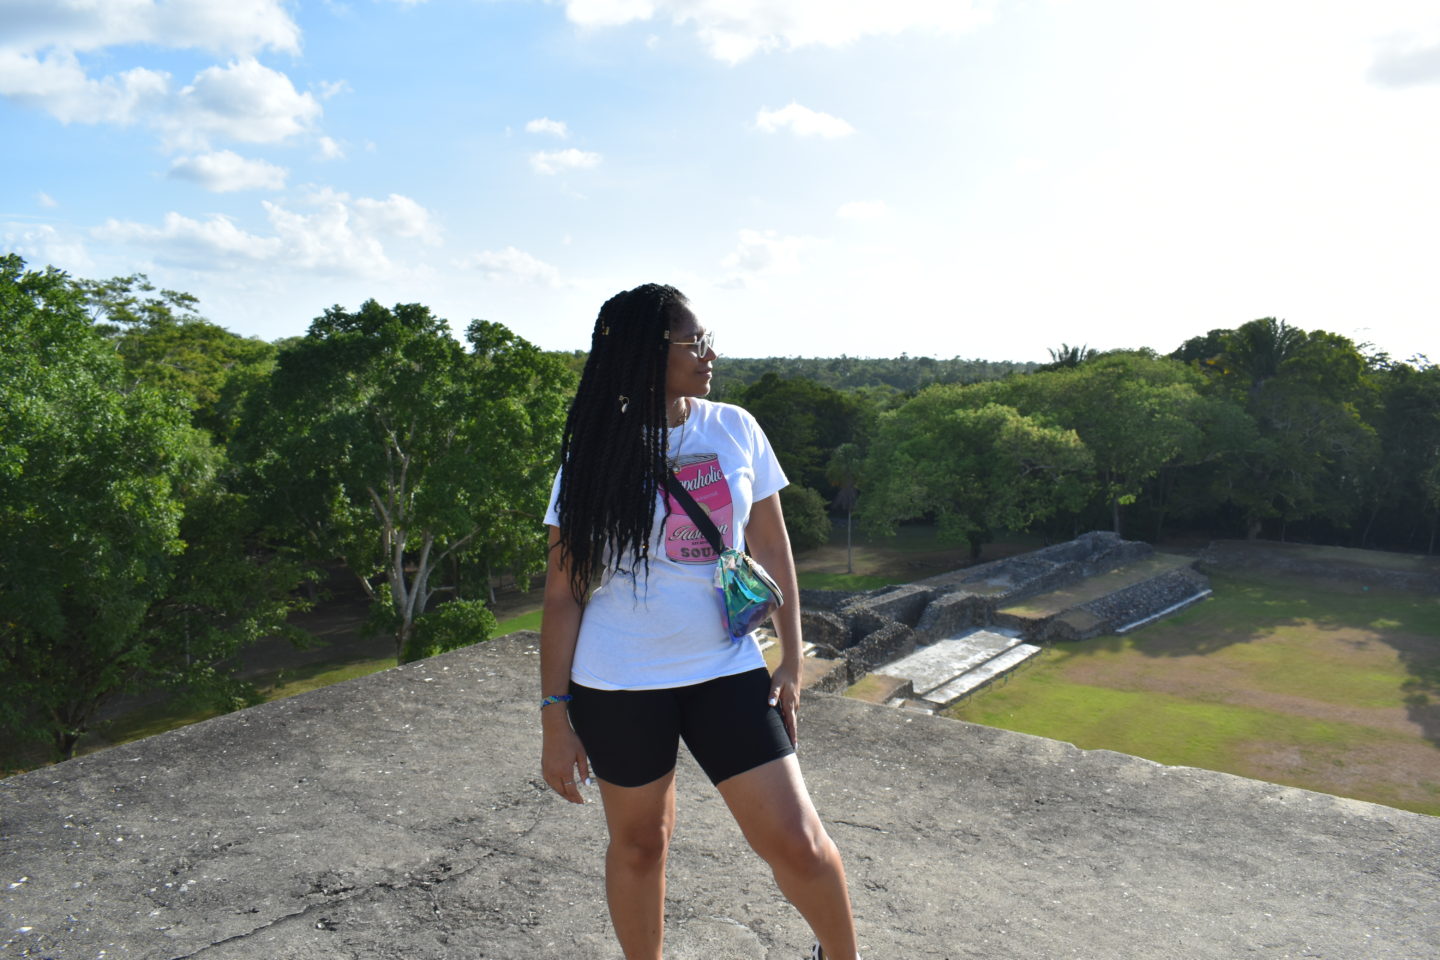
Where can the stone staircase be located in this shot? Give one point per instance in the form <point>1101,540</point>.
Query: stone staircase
<point>950,669</point>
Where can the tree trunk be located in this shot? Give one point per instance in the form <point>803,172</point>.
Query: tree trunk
<point>65,742</point>
<point>1115,514</point>
<point>849,564</point>
<point>1252,531</point>
<point>1365,535</point>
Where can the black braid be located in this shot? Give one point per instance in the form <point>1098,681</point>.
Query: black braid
<point>614,461</point>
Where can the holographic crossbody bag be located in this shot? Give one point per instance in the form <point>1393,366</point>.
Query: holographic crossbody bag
<point>748,595</point>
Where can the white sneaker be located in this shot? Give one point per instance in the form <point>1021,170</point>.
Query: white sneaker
<point>816,953</point>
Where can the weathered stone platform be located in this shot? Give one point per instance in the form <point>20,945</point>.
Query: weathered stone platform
<point>1094,584</point>
<point>949,669</point>
<point>401,816</point>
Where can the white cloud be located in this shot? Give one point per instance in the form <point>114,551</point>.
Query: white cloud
<point>803,122</point>
<point>334,234</point>
<point>229,27</point>
<point>331,88</point>
<point>45,200</point>
<point>226,171</point>
<point>58,85</point>
<point>863,210</point>
<point>398,215</point>
<point>41,245</point>
<point>554,161</point>
<point>243,100</point>
<point>1407,61</point>
<point>330,149</point>
<point>609,13</point>
<point>193,242</point>
<point>41,66</point>
<point>546,125</point>
<point>733,30</point>
<point>514,266</point>
<point>768,252</point>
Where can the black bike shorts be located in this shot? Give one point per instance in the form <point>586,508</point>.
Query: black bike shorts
<point>632,736</point>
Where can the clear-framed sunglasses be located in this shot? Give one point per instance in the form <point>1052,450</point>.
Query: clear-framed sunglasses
<point>700,346</point>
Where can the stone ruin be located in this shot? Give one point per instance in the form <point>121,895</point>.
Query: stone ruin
<point>929,643</point>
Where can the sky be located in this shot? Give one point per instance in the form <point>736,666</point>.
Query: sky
<point>949,178</point>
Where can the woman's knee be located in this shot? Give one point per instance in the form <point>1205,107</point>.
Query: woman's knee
<point>804,849</point>
<point>641,847</point>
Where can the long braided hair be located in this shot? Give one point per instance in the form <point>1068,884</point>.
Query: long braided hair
<point>614,445</point>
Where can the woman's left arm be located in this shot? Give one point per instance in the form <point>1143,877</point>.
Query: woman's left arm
<point>767,542</point>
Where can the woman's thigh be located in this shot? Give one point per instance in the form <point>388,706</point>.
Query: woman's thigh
<point>773,808</point>
<point>641,817</point>
<point>631,736</point>
<point>730,726</point>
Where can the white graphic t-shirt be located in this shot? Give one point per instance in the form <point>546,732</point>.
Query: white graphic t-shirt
<point>667,630</point>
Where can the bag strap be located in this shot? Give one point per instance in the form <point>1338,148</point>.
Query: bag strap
<point>702,519</point>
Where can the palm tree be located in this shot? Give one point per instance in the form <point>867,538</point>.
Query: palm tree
<point>1259,348</point>
<point>1068,356</point>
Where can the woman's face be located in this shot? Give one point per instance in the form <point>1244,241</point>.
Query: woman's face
<point>688,374</point>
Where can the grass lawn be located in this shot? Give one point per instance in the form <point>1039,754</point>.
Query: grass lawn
<point>1331,689</point>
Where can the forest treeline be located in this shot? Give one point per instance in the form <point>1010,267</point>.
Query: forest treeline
<point>169,491</point>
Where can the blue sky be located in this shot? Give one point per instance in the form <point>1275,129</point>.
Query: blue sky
<point>821,177</point>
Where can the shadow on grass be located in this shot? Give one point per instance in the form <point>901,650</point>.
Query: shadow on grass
<point>1248,607</point>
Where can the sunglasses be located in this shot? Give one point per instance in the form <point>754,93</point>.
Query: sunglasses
<point>702,345</point>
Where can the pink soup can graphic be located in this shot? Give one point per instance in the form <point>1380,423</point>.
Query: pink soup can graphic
<point>700,474</point>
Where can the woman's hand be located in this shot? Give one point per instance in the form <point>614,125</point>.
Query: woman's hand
<point>785,693</point>
<point>563,763</point>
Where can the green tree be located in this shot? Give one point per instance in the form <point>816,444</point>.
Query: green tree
<point>804,422</point>
<point>806,521</point>
<point>1135,412</point>
<point>166,344</point>
<point>382,441</point>
<point>1404,481</point>
<point>976,470</point>
<point>115,573</point>
<point>1313,448</point>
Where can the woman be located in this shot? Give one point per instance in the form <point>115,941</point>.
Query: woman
<point>634,654</point>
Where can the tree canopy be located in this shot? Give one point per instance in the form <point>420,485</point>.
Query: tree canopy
<point>104,586</point>
<point>381,440</point>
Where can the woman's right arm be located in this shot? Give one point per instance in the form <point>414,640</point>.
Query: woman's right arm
<point>563,759</point>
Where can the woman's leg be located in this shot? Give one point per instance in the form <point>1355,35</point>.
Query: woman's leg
<point>641,821</point>
<point>775,813</point>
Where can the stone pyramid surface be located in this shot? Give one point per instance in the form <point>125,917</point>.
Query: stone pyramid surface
<point>401,816</point>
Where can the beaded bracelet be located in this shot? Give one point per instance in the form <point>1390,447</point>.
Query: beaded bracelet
<point>555,698</point>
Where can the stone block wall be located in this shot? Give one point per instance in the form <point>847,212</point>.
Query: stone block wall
<point>950,613</point>
<point>825,629</point>
<point>891,642</point>
<point>862,622</point>
<point>904,603</point>
<point>1148,597</point>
